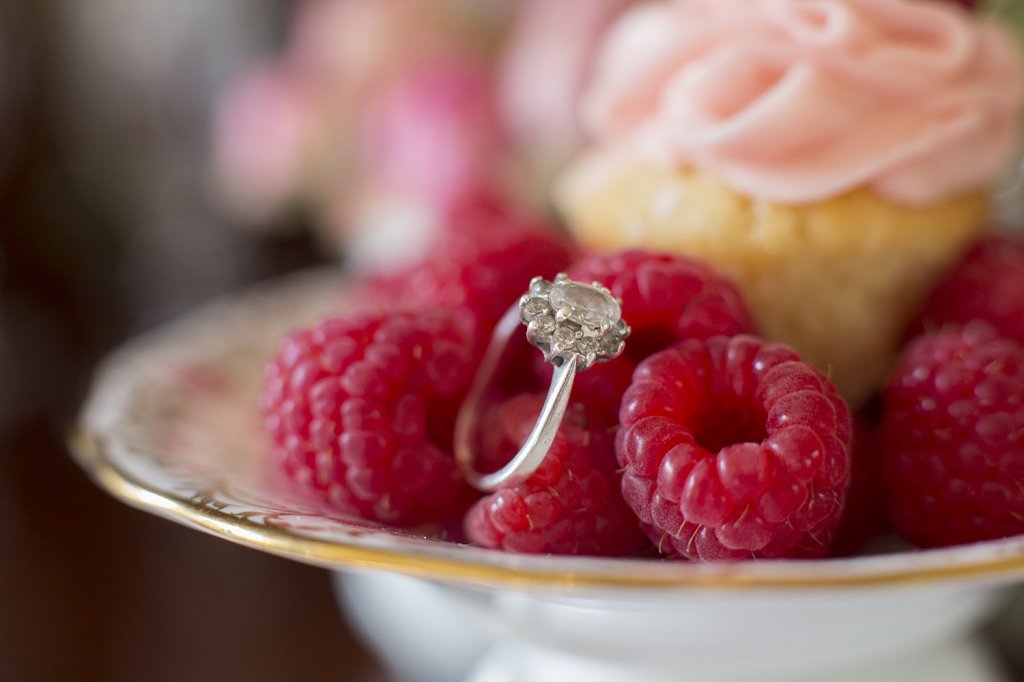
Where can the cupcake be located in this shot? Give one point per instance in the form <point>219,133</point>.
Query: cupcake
<point>832,156</point>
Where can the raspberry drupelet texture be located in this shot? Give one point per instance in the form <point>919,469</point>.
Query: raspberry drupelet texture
<point>360,412</point>
<point>953,438</point>
<point>734,449</point>
<point>988,284</point>
<point>665,299</point>
<point>571,505</point>
<point>481,265</point>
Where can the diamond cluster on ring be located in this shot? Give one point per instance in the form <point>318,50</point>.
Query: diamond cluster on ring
<point>564,318</point>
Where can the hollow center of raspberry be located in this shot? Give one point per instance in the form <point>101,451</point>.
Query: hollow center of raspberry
<point>729,420</point>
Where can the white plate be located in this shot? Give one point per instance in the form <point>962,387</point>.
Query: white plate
<point>172,426</point>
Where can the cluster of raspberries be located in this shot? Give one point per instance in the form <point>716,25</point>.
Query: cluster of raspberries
<point>703,441</point>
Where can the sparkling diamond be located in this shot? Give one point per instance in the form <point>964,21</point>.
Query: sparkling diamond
<point>587,345</point>
<point>535,308</point>
<point>587,305</point>
<point>564,337</point>
<point>539,286</point>
<point>541,326</point>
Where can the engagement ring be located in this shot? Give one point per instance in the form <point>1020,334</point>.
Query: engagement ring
<point>576,325</point>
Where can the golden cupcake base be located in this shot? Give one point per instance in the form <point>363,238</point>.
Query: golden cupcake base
<point>838,280</point>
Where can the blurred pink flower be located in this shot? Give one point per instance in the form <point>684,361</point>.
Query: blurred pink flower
<point>266,127</point>
<point>432,134</point>
<point>290,130</point>
<point>347,44</point>
<point>545,67</point>
<point>352,45</point>
<point>429,140</point>
<point>384,113</point>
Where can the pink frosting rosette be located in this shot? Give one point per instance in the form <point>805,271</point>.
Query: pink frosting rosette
<point>796,101</point>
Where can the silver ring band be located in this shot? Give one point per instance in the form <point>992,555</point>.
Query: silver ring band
<point>575,325</point>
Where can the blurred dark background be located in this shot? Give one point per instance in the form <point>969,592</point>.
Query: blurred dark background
<point>106,229</point>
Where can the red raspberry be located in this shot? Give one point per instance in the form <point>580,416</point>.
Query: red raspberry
<point>734,449</point>
<point>571,505</point>
<point>665,299</point>
<point>481,265</point>
<point>361,411</point>
<point>953,438</point>
<point>988,284</point>
<point>431,132</point>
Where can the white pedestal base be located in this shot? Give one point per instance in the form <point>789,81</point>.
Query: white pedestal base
<point>428,632</point>
<point>959,661</point>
